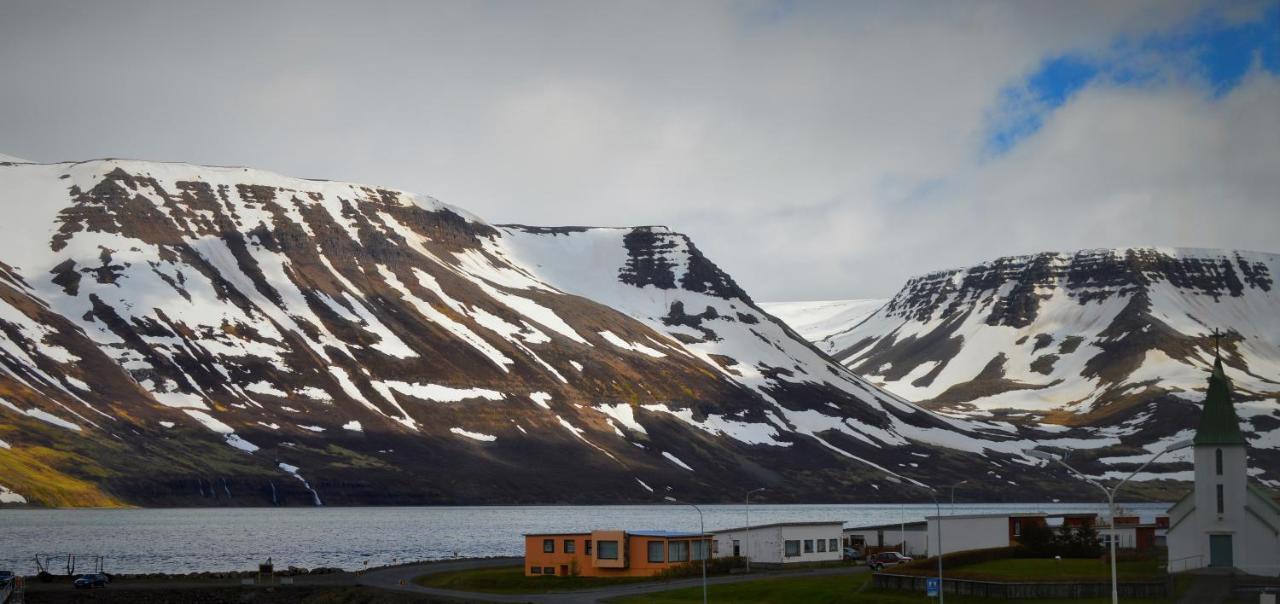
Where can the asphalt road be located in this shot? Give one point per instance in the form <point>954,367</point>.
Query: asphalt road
<point>400,578</point>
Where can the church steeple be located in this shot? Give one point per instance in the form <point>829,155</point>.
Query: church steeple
<point>1218,422</point>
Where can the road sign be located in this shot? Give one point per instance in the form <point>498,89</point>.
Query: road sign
<point>932,586</point>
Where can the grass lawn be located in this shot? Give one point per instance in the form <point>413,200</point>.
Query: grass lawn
<point>831,589</point>
<point>511,580</point>
<point>1047,569</point>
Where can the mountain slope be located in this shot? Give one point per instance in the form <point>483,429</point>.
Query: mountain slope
<point>819,319</point>
<point>1099,338</point>
<point>189,335</point>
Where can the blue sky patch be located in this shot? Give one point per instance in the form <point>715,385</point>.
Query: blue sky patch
<point>1209,51</point>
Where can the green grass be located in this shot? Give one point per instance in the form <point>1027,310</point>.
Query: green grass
<point>512,580</point>
<point>1046,569</point>
<point>829,589</point>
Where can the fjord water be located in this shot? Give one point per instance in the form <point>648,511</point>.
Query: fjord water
<point>223,539</point>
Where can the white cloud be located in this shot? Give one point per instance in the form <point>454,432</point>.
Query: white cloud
<point>813,150</point>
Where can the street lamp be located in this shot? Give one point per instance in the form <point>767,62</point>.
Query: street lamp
<point>1111,496</point>
<point>938,505</point>
<point>953,494</point>
<point>749,526</point>
<point>706,551</point>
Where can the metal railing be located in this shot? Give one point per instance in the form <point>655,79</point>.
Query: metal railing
<point>1178,565</point>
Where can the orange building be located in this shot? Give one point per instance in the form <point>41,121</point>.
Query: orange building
<point>611,553</point>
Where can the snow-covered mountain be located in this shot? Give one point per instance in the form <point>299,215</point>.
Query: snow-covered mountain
<point>1101,338</point>
<point>819,319</point>
<point>187,335</point>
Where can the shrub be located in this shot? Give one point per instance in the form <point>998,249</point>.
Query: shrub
<point>1080,543</point>
<point>1038,540</point>
<point>964,558</point>
<point>715,566</point>
<point>1043,542</point>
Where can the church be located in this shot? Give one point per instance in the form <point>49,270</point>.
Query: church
<point>1225,522</point>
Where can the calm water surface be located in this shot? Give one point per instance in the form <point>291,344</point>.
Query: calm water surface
<point>218,539</point>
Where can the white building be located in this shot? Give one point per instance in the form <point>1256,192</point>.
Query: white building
<point>978,531</point>
<point>782,543</point>
<point>907,538</point>
<point>1225,522</point>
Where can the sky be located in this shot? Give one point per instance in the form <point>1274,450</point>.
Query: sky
<point>814,150</point>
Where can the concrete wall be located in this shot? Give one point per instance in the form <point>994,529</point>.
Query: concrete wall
<point>768,544</point>
<point>960,533</point>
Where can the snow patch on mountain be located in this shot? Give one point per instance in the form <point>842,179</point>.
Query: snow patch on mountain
<point>473,435</point>
<point>821,319</point>
<point>8,496</point>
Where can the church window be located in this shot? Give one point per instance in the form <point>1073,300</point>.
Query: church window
<point>1218,457</point>
<point>1220,502</point>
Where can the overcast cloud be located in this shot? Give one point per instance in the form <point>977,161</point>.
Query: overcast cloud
<point>813,150</point>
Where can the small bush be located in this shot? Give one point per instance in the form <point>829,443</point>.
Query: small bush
<point>1044,542</point>
<point>715,566</point>
<point>964,558</point>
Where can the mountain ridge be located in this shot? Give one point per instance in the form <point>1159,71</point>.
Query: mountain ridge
<point>1091,339</point>
<point>175,334</point>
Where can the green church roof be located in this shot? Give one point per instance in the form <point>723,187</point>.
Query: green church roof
<point>1218,422</point>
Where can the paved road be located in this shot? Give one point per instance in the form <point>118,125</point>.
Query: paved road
<point>401,579</point>
<point>1208,588</point>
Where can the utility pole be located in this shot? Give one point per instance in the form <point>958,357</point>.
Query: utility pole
<point>749,526</point>
<point>706,551</point>
<point>1111,497</point>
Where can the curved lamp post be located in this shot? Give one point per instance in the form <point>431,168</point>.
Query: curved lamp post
<point>938,506</point>
<point>702,531</point>
<point>1111,496</point>
<point>749,526</point>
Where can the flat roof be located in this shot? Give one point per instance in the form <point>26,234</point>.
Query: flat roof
<point>973,516</point>
<point>914,525</point>
<point>667,534</point>
<point>639,533</point>
<point>779,524</point>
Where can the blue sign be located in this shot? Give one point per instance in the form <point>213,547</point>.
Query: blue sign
<point>932,586</point>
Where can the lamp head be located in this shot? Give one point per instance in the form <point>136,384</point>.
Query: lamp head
<point>1045,455</point>
<point>1182,444</point>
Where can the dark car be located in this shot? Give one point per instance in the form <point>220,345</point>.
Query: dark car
<point>884,560</point>
<point>852,554</point>
<point>91,581</point>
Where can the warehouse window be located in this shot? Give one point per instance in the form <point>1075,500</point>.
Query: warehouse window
<point>678,551</point>
<point>808,546</point>
<point>822,546</point>
<point>699,550</point>
<point>792,548</point>
<point>835,544</point>
<point>657,552</point>
<point>548,546</point>
<point>569,546</point>
<point>607,550</point>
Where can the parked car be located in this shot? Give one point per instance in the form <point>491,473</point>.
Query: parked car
<point>5,576</point>
<point>91,581</point>
<point>884,560</point>
<point>852,554</point>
